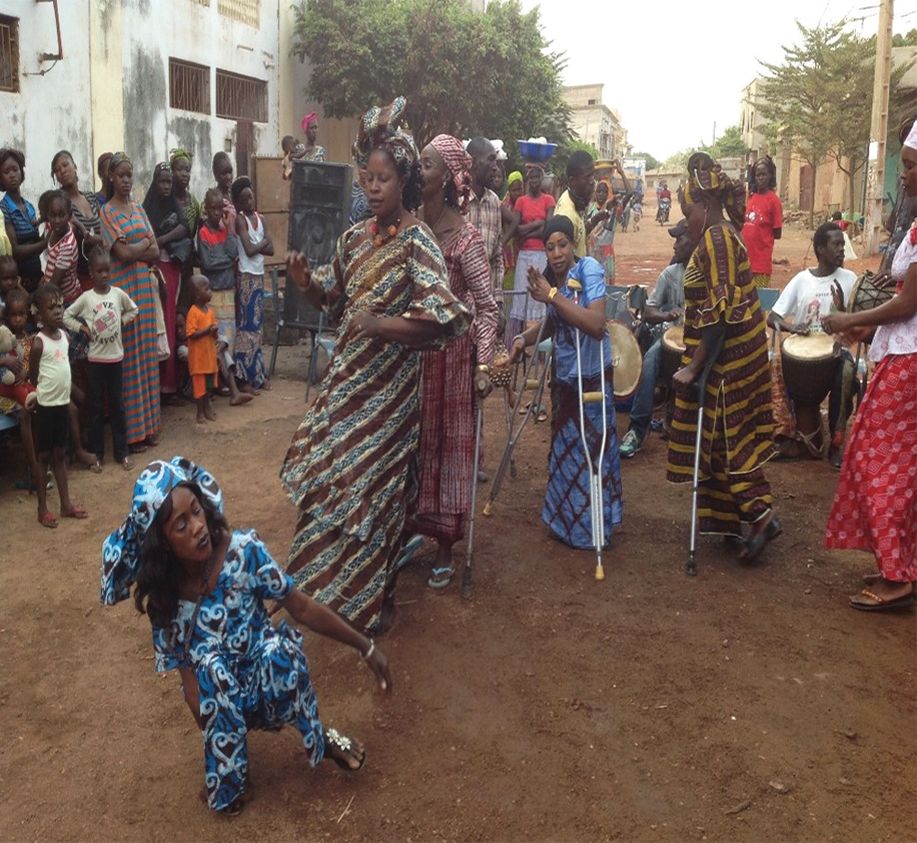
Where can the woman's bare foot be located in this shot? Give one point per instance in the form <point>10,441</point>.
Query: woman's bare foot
<point>240,399</point>
<point>348,753</point>
<point>209,414</point>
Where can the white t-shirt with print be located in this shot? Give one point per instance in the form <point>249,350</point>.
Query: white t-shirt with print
<point>807,298</point>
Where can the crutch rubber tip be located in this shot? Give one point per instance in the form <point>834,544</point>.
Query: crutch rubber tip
<point>599,572</point>
<point>488,509</point>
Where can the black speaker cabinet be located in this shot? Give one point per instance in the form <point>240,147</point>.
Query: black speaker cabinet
<point>319,208</point>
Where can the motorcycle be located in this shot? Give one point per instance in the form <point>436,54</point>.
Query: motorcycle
<point>662,213</point>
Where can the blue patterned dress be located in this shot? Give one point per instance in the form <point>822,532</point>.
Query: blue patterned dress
<point>566,503</point>
<point>250,674</point>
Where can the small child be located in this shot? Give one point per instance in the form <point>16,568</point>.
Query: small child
<point>241,672</point>
<point>256,243</point>
<point>15,360</point>
<point>9,277</point>
<point>292,150</point>
<point>202,331</point>
<point>217,253</point>
<point>637,212</point>
<point>49,370</point>
<point>63,250</point>
<point>99,315</point>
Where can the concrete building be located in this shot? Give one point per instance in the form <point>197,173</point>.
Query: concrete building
<point>145,77</point>
<point>594,122</point>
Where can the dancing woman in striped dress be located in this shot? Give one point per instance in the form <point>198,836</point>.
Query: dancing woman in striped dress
<point>351,466</point>
<point>721,305</point>
<point>127,232</point>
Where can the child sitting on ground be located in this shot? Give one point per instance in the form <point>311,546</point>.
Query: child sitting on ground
<point>202,331</point>
<point>240,672</point>
<point>217,253</point>
<point>99,315</point>
<point>49,371</point>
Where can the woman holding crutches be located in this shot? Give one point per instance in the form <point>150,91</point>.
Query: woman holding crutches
<point>576,311</point>
<point>725,339</point>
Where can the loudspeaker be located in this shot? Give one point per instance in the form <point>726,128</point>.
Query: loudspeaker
<point>319,208</point>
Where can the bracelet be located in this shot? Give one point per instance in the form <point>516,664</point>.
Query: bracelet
<point>552,294</point>
<point>372,647</point>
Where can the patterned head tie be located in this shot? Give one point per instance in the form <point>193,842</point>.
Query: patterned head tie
<point>121,551</point>
<point>458,162</point>
<point>311,119</point>
<point>706,178</point>
<point>381,127</point>
<point>116,160</point>
<point>175,154</point>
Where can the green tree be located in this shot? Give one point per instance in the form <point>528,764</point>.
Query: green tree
<point>908,39</point>
<point>729,144</point>
<point>462,72</point>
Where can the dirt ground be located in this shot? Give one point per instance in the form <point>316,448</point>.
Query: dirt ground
<point>747,704</point>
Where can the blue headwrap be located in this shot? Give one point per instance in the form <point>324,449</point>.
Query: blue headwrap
<point>121,551</point>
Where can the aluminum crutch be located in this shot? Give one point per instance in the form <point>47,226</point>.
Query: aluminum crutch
<point>469,550</point>
<point>596,502</point>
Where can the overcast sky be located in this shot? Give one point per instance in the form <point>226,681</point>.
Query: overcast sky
<point>636,49</point>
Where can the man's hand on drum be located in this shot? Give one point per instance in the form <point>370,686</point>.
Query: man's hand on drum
<point>517,349</point>
<point>838,323</point>
<point>539,288</point>
<point>298,270</point>
<point>674,314</point>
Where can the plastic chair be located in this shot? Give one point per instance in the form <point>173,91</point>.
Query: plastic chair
<point>768,297</point>
<point>299,313</point>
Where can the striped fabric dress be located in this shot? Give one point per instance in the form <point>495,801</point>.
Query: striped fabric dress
<point>738,423</point>
<point>447,401</point>
<point>141,357</point>
<point>351,468</point>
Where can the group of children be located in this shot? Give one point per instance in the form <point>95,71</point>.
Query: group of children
<point>61,323</point>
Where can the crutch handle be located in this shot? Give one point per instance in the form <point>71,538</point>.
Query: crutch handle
<point>593,397</point>
<point>574,285</point>
<point>531,383</point>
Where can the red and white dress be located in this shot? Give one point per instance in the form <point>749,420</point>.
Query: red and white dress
<point>875,507</point>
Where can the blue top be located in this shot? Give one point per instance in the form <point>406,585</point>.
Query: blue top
<point>232,621</point>
<point>589,272</point>
<point>25,225</point>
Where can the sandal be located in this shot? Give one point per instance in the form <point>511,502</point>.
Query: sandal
<point>542,415</point>
<point>49,519</point>
<point>75,511</point>
<point>342,745</point>
<point>441,577</point>
<point>95,468</point>
<point>757,543</point>
<point>880,604</point>
<point>127,464</point>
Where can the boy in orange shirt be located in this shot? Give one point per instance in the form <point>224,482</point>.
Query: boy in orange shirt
<point>201,330</point>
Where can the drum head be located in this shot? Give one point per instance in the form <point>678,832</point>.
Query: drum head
<point>674,338</point>
<point>626,359</point>
<point>809,346</point>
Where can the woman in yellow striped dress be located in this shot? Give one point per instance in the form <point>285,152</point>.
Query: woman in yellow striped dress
<point>722,311</point>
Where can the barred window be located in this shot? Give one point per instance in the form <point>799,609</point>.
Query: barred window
<point>241,97</point>
<point>189,86</point>
<point>247,11</point>
<point>9,54</point>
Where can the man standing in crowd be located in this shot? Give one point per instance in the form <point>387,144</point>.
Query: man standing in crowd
<point>484,205</point>
<point>576,198</point>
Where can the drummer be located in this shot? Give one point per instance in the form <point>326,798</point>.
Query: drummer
<point>805,301</point>
<point>664,308</point>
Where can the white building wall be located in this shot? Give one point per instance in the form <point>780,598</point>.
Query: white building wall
<point>49,112</point>
<point>111,90</point>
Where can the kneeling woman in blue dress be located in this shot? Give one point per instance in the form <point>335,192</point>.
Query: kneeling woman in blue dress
<point>575,310</point>
<point>203,587</point>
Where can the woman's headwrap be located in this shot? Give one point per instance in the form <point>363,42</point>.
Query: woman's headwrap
<point>117,158</point>
<point>308,120</point>
<point>121,551</point>
<point>458,162</point>
<point>911,140</point>
<point>611,191</point>
<point>558,223</point>
<point>380,127</point>
<point>513,177</point>
<point>706,178</point>
<point>175,154</point>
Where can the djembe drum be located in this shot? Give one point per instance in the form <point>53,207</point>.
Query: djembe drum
<point>627,362</point>
<point>673,348</point>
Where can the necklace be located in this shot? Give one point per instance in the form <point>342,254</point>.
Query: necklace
<point>380,237</point>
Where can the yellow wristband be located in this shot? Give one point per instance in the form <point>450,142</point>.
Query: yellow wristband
<point>552,294</point>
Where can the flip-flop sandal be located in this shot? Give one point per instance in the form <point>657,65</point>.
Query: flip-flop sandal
<point>76,511</point>
<point>542,415</point>
<point>757,543</point>
<point>342,743</point>
<point>441,577</point>
<point>126,464</point>
<point>95,468</point>
<point>49,519</point>
<point>881,604</point>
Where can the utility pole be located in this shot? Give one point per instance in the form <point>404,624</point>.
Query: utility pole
<point>878,130</point>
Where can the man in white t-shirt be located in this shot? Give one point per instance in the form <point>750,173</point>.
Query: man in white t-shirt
<point>806,300</point>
